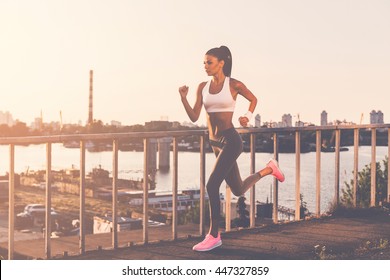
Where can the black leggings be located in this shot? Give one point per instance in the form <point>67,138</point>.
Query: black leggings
<point>227,149</point>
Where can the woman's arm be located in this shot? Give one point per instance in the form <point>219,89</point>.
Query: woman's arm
<point>192,112</point>
<point>241,89</point>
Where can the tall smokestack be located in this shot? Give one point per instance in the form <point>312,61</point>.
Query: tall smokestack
<point>90,112</point>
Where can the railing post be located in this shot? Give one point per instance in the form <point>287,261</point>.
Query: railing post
<point>228,209</point>
<point>388,165</point>
<point>318,173</point>
<point>146,191</point>
<point>355,166</point>
<point>252,214</point>
<point>82,198</point>
<point>297,175</point>
<point>373,167</point>
<point>202,185</point>
<point>11,202</point>
<point>275,210</point>
<point>115,194</point>
<point>48,202</point>
<point>174,189</point>
<point>337,168</point>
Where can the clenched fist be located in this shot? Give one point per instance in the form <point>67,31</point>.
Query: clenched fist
<point>243,121</point>
<point>183,91</point>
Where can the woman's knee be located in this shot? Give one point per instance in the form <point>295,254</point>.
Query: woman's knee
<point>236,192</point>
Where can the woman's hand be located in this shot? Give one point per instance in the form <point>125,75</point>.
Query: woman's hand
<point>243,121</point>
<point>183,91</point>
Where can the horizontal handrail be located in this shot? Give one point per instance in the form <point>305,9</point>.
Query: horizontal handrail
<point>102,136</point>
<point>310,128</point>
<point>172,133</point>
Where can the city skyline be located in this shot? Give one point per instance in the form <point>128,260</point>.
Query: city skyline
<point>285,120</point>
<point>297,57</point>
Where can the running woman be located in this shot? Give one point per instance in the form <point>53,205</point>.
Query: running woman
<point>218,95</point>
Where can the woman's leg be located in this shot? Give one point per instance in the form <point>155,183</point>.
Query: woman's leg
<point>226,169</point>
<point>226,159</point>
<point>213,185</point>
<point>239,186</point>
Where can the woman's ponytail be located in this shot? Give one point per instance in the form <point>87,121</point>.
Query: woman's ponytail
<point>223,53</point>
<point>227,57</point>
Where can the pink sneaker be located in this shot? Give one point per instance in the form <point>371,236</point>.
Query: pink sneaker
<point>276,172</point>
<point>210,242</point>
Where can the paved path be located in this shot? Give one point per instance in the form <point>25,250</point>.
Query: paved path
<point>295,240</point>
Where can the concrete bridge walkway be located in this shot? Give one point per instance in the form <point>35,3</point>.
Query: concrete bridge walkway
<point>340,235</point>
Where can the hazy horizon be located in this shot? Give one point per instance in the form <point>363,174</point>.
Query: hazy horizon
<point>164,118</point>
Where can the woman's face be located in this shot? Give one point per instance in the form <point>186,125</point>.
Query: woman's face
<point>212,65</point>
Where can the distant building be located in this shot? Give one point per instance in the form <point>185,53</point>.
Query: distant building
<point>257,121</point>
<point>6,118</point>
<point>56,126</point>
<point>37,124</point>
<point>90,103</point>
<point>376,117</point>
<point>286,120</point>
<point>380,117</point>
<point>116,123</point>
<point>324,118</point>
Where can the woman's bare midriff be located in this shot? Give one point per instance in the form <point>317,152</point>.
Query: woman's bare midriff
<point>218,122</point>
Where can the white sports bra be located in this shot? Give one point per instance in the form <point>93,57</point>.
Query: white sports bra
<point>219,102</point>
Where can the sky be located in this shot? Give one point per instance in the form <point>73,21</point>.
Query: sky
<point>298,57</point>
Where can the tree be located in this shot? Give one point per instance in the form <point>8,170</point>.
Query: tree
<point>96,127</point>
<point>19,129</point>
<point>363,196</point>
<point>192,214</point>
<point>4,130</point>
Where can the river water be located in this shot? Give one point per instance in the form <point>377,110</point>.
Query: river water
<point>131,163</point>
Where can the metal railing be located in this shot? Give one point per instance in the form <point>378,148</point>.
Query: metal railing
<point>175,135</point>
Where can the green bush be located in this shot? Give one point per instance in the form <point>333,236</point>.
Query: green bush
<point>363,195</point>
